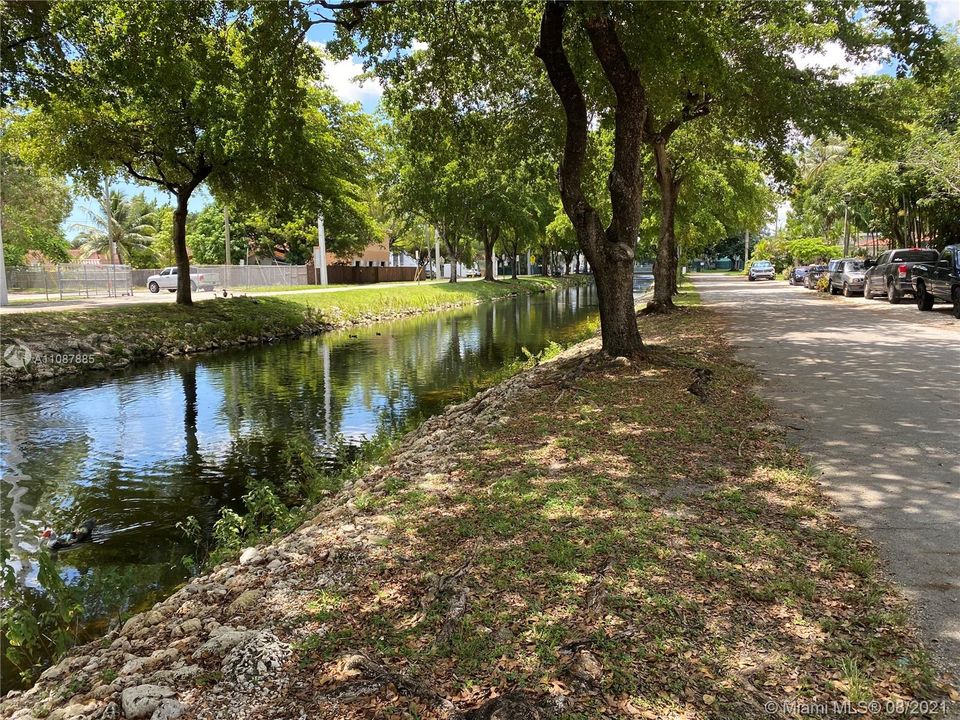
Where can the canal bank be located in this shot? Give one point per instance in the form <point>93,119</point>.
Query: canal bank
<point>46,345</point>
<point>171,458</point>
<point>592,537</point>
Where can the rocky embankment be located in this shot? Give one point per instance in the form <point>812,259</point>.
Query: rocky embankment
<point>40,359</point>
<point>227,645</point>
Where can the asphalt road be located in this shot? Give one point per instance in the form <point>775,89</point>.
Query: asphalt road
<point>872,391</point>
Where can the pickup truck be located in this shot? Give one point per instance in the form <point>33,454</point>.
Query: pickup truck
<point>891,274</point>
<point>167,280</point>
<point>939,281</point>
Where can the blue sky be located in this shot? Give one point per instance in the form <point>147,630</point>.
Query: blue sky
<point>342,77</point>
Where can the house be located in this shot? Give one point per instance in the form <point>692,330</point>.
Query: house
<point>376,254</point>
<point>79,256</point>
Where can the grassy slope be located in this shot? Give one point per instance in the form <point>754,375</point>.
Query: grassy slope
<point>141,329</point>
<point>678,544</point>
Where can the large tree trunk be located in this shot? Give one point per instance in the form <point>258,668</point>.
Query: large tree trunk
<point>489,237</point>
<point>453,248</point>
<point>610,252</point>
<point>184,294</point>
<point>516,261</point>
<point>665,268</point>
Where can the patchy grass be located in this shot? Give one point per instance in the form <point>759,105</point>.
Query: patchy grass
<point>622,548</point>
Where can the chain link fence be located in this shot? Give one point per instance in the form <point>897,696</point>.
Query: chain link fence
<point>237,276</point>
<point>71,280</point>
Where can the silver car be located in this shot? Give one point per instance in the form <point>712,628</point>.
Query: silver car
<point>846,276</point>
<point>762,269</point>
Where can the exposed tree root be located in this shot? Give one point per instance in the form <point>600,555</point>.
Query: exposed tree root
<point>701,379</point>
<point>596,592</point>
<point>507,707</point>
<point>455,612</point>
<point>443,583</point>
<point>658,308</point>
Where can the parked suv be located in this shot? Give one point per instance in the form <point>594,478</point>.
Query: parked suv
<point>814,273</point>
<point>167,280</point>
<point>762,269</point>
<point>798,274</point>
<point>892,273</point>
<point>940,281</point>
<point>846,276</point>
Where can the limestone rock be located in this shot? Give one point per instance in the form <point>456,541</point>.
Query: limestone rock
<point>141,700</point>
<point>244,601</point>
<point>168,710</point>
<point>255,659</point>
<point>221,643</point>
<point>143,620</point>
<point>250,556</point>
<point>191,626</point>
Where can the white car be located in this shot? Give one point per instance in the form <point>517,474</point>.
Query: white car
<point>167,280</point>
<point>762,269</point>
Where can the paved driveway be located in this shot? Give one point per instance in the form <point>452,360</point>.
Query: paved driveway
<point>873,392</point>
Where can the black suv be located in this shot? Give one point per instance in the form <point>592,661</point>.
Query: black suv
<point>891,275</point>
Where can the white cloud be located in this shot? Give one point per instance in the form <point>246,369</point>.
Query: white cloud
<point>342,77</point>
<point>944,12</point>
<point>418,45</point>
<point>832,56</point>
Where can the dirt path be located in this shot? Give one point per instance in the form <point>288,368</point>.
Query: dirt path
<point>873,392</point>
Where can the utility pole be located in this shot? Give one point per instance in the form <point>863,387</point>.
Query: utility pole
<point>4,300</point>
<point>846,227</point>
<point>746,247</point>
<point>226,235</point>
<point>320,258</point>
<point>111,237</point>
<point>426,243</point>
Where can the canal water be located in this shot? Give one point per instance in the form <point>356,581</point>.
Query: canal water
<point>140,451</point>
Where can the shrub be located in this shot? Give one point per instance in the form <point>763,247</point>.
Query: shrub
<point>30,634</point>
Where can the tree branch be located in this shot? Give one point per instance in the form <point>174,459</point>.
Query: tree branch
<point>696,107</point>
<point>570,175</point>
<point>148,178</point>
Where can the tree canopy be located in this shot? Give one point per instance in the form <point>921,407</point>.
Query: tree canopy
<point>231,99</point>
<point>642,72</point>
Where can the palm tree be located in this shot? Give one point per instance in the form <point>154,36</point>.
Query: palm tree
<point>818,155</point>
<point>122,228</point>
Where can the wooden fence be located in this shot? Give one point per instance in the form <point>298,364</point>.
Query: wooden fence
<point>352,275</point>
